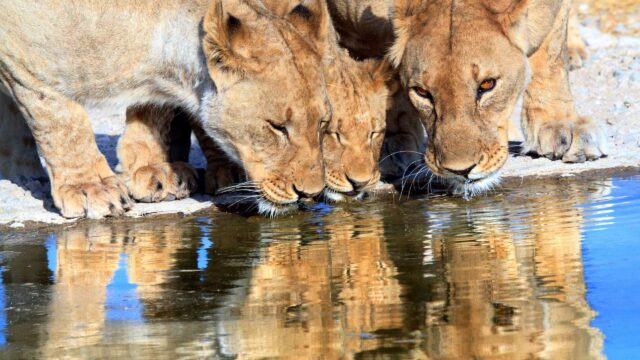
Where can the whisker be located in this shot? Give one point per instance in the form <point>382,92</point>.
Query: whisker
<point>404,177</point>
<point>399,152</point>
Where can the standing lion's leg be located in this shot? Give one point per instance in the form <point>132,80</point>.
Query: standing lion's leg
<point>143,152</point>
<point>82,183</point>
<point>221,171</point>
<point>576,47</point>
<point>18,154</point>
<point>550,124</point>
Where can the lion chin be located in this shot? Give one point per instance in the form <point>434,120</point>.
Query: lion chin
<point>333,196</point>
<point>272,210</point>
<point>470,188</point>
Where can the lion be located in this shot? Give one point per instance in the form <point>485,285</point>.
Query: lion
<point>465,66</point>
<point>263,105</point>
<point>359,93</point>
<point>465,76</point>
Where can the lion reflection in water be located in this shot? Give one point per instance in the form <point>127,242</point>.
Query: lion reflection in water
<point>479,284</point>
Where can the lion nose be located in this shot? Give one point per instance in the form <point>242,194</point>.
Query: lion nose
<point>357,185</point>
<point>303,194</point>
<point>464,172</point>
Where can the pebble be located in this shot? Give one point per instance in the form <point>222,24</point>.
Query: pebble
<point>619,107</point>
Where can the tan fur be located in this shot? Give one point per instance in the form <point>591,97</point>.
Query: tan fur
<point>576,48</point>
<point>498,37</point>
<point>144,157</point>
<point>57,57</point>
<point>448,48</point>
<point>359,97</point>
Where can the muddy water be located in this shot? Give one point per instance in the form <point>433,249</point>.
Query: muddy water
<point>536,271</point>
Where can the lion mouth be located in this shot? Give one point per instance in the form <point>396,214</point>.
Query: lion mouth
<point>468,188</point>
<point>270,209</point>
<point>251,202</point>
<point>334,196</point>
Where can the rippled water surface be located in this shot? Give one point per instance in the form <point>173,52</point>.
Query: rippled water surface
<point>547,270</point>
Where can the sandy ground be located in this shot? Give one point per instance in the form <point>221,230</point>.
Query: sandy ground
<point>606,88</point>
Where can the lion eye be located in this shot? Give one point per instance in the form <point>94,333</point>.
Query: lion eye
<point>337,136</point>
<point>486,86</point>
<point>375,134</point>
<point>422,92</point>
<point>279,128</point>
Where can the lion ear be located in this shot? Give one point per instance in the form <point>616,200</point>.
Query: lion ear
<point>404,13</point>
<point>311,17</point>
<point>526,22</point>
<point>226,42</point>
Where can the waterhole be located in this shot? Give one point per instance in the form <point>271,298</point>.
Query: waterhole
<point>547,270</point>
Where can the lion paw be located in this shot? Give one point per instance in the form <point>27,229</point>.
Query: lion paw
<point>577,54</point>
<point>221,176</point>
<point>95,200</point>
<point>573,142</point>
<point>162,182</point>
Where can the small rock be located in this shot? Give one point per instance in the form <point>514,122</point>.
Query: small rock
<point>621,28</point>
<point>16,225</point>
<point>583,8</point>
<point>627,104</point>
<point>619,107</point>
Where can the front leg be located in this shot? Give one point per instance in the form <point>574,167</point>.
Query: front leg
<point>221,171</point>
<point>576,48</point>
<point>143,152</point>
<point>550,124</point>
<point>82,183</point>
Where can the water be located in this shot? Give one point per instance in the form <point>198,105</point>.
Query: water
<point>543,270</point>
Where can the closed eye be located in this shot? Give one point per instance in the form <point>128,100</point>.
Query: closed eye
<point>279,128</point>
<point>375,134</point>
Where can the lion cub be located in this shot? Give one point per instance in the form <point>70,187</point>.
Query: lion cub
<point>263,105</point>
<point>359,94</point>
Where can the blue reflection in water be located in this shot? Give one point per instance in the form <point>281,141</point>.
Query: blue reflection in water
<point>3,314</point>
<point>611,274</point>
<point>122,303</point>
<point>205,245</point>
<point>50,245</point>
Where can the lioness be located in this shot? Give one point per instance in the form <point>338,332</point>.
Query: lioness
<point>264,106</point>
<point>464,65</point>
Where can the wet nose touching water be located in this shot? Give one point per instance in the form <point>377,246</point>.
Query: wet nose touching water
<point>546,270</point>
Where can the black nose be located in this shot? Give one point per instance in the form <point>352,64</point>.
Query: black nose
<point>357,185</point>
<point>464,173</point>
<point>302,194</point>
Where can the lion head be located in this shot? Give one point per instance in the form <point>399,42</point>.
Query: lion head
<point>464,66</point>
<point>271,99</point>
<point>359,98</point>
